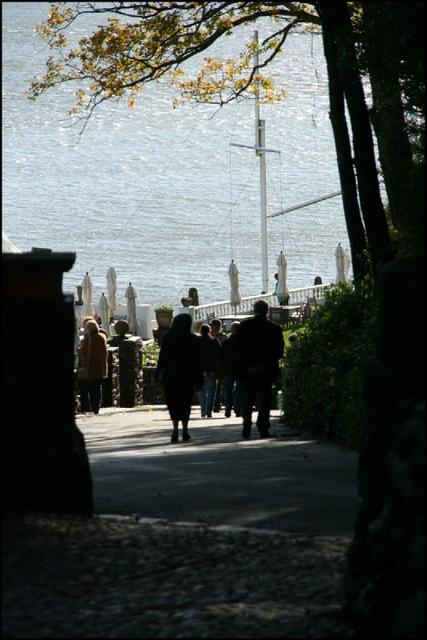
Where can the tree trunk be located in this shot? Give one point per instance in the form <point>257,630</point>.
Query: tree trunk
<point>336,20</point>
<point>389,122</point>
<point>356,231</point>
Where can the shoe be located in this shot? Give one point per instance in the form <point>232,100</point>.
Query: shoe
<point>174,438</point>
<point>265,434</point>
<point>186,437</point>
<point>227,413</point>
<point>203,415</point>
<point>209,415</point>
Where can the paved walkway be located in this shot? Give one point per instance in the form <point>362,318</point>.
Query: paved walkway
<point>217,538</point>
<point>290,483</point>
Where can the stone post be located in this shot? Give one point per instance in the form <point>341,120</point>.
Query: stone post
<point>130,369</point>
<point>110,386</point>
<point>45,467</point>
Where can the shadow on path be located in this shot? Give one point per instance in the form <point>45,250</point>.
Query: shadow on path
<point>289,483</point>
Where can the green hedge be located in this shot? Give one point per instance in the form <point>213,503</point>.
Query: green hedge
<point>323,375</point>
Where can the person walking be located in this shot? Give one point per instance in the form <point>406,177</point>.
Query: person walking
<point>82,383</point>
<point>218,334</point>
<point>260,347</point>
<point>94,355</point>
<point>230,381</point>
<point>210,360</point>
<point>280,299</point>
<point>179,370</point>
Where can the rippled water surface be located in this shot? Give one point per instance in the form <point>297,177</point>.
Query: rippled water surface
<point>149,190</point>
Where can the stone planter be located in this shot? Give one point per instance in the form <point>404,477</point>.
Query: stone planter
<point>164,318</point>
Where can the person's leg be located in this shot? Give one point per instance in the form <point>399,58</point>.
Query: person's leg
<point>227,383</point>
<point>172,400</point>
<point>202,399</point>
<point>174,436</point>
<point>210,395</point>
<point>238,399</point>
<point>264,407</point>
<point>218,395</point>
<point>187,400</point>
<point>248,393</point>
<point>185,435</point>
<point>84,396</point>
<point>94,388</point>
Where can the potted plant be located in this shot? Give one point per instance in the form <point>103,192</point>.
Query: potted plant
<point>164,315</point>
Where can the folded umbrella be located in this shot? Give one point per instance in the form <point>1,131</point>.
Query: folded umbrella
<point>235,297</point>
<point>132,319</point>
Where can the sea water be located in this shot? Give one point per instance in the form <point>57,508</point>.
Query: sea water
<point>158,192</point>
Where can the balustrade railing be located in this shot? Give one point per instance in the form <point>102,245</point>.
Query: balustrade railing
<point>217,309</point>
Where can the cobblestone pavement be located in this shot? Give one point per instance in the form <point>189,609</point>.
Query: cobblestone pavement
<point>72,577</point>
<point>159,577</point>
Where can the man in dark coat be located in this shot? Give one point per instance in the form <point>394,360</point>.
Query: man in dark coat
<point>260,347</point>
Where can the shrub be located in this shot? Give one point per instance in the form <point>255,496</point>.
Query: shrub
<point>150,355</point>
<point>323,376</point>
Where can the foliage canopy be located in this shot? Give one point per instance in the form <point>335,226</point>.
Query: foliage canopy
<point>140,42</point>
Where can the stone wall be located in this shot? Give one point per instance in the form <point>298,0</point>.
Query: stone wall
<point>45,467</point>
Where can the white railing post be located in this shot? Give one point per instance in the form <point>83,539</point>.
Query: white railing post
<point>191,311</point>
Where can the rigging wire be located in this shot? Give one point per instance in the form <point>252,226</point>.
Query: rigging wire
<point>231,203</point>
<point>290,235</point>
<point>231,181</point>
<point>127,222</point>
<point>222,224</point>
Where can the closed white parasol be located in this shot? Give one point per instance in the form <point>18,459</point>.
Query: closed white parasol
<point>282,290</point>
<point>131,309</point>
<point>87,290</point>
<point>346,264</point>
<point>112,288</point>
<point>104,314</point>
<point>340,258</point>
<point>235,297</point>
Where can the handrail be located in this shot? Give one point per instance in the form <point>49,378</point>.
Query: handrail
<point>224,308</point>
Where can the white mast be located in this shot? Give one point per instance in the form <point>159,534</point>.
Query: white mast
<point>260,143</point>
<point>260,150</point>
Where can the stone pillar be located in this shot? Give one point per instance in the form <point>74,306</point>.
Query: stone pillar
<point>45,467</point>
<point>110,386</point>
<point>130,369</point>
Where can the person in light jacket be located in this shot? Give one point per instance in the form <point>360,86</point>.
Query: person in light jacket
<point>94,356</point>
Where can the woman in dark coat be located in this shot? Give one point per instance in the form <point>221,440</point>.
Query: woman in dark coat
<point>179,369</point>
